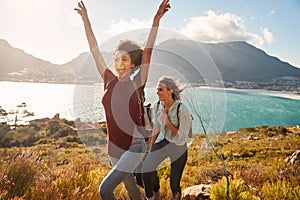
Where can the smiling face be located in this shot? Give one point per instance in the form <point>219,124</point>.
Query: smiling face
<point>122,63</point>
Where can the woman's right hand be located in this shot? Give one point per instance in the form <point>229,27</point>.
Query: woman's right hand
<point>81,10</point>
<point>99,60</point>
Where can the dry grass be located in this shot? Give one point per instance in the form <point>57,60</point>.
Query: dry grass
<point>257,168</point>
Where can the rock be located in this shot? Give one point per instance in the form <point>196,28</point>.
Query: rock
<point>56,116</point>
<point>251,137</point>
<point>196,192</point>
<point>231,133</point>
<point>295,157</point>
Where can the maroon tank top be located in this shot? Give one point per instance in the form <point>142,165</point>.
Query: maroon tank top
<point>120,102</point>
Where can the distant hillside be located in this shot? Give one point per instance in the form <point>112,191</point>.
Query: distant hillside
<point>15,61</point>
<point>242,61</point>
<point>184,59</point>
<point>235,61</point>
<point>17,65</point>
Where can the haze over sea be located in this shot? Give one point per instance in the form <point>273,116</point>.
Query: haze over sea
<point>224,111</point>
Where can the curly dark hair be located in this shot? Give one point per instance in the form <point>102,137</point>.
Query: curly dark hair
<point>133,49</point>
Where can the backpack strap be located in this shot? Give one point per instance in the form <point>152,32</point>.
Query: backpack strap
<point>157,105</point>
<point>178,113</point>
<point>140,99</point>
<point>190,134</point>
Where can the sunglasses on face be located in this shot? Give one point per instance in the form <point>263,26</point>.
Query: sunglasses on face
<point>161,89</point>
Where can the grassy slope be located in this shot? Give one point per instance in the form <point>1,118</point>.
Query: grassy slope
<point>73,171</point>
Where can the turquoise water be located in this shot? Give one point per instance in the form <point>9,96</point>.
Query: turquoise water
<point>225,110</point>
<point>251,109</point>
<point>220,110</point>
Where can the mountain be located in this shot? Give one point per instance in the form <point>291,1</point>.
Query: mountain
<point>183,59</point>
<point>234,61</point>
<point>248,63</point>
<point>17,65</point>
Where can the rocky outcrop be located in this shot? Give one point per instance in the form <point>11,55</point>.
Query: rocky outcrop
<point>196,192</point>
<point>294,158</point>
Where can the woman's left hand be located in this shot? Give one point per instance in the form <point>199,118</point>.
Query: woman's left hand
<point>164,117</point>
<point>163,8</point>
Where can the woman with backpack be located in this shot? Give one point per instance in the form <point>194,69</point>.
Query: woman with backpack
<point>171,127</point>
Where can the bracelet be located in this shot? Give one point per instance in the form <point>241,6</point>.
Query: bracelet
<point>94,49</point>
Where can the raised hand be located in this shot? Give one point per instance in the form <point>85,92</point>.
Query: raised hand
<point>81,10</point>
<point>163,8</point>
<point>100,62</point>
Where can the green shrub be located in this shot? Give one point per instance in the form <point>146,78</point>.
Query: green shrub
<point>35,126</point>
<point>92,139</point>
<point>237,190</point>
<point>280,190</point>
<point>53,126</point>
<point>76,181</point>
<point>43,141</point>
<point>30,140</point>
<point>70,123</point>
<point>74,139</point>
<point>246,153</point>
<point>4,128</point>
<point>73,145</point>
<point>253,175</point>
<point>25,130</point>
<point>63,132</point>
<point>282,130</point>
<point>19,174</point>
<point>248,130</point>
<point>270,131</point>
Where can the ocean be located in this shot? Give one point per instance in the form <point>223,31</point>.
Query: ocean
<point>218,110</point>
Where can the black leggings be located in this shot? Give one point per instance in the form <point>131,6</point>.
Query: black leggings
<point>139,181</point>
<point>160,151</point>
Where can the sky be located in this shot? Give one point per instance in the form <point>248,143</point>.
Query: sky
<point>53,31</point>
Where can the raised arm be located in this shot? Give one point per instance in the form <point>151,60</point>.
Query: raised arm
<point>163,8</point>
<point>100,63</point>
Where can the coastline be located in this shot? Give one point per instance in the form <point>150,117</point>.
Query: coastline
<point>282,94</point>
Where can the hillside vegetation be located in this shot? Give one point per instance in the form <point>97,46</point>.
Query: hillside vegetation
<point>50,159</point>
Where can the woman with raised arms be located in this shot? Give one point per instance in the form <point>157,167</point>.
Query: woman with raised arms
<point>122,102</point>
